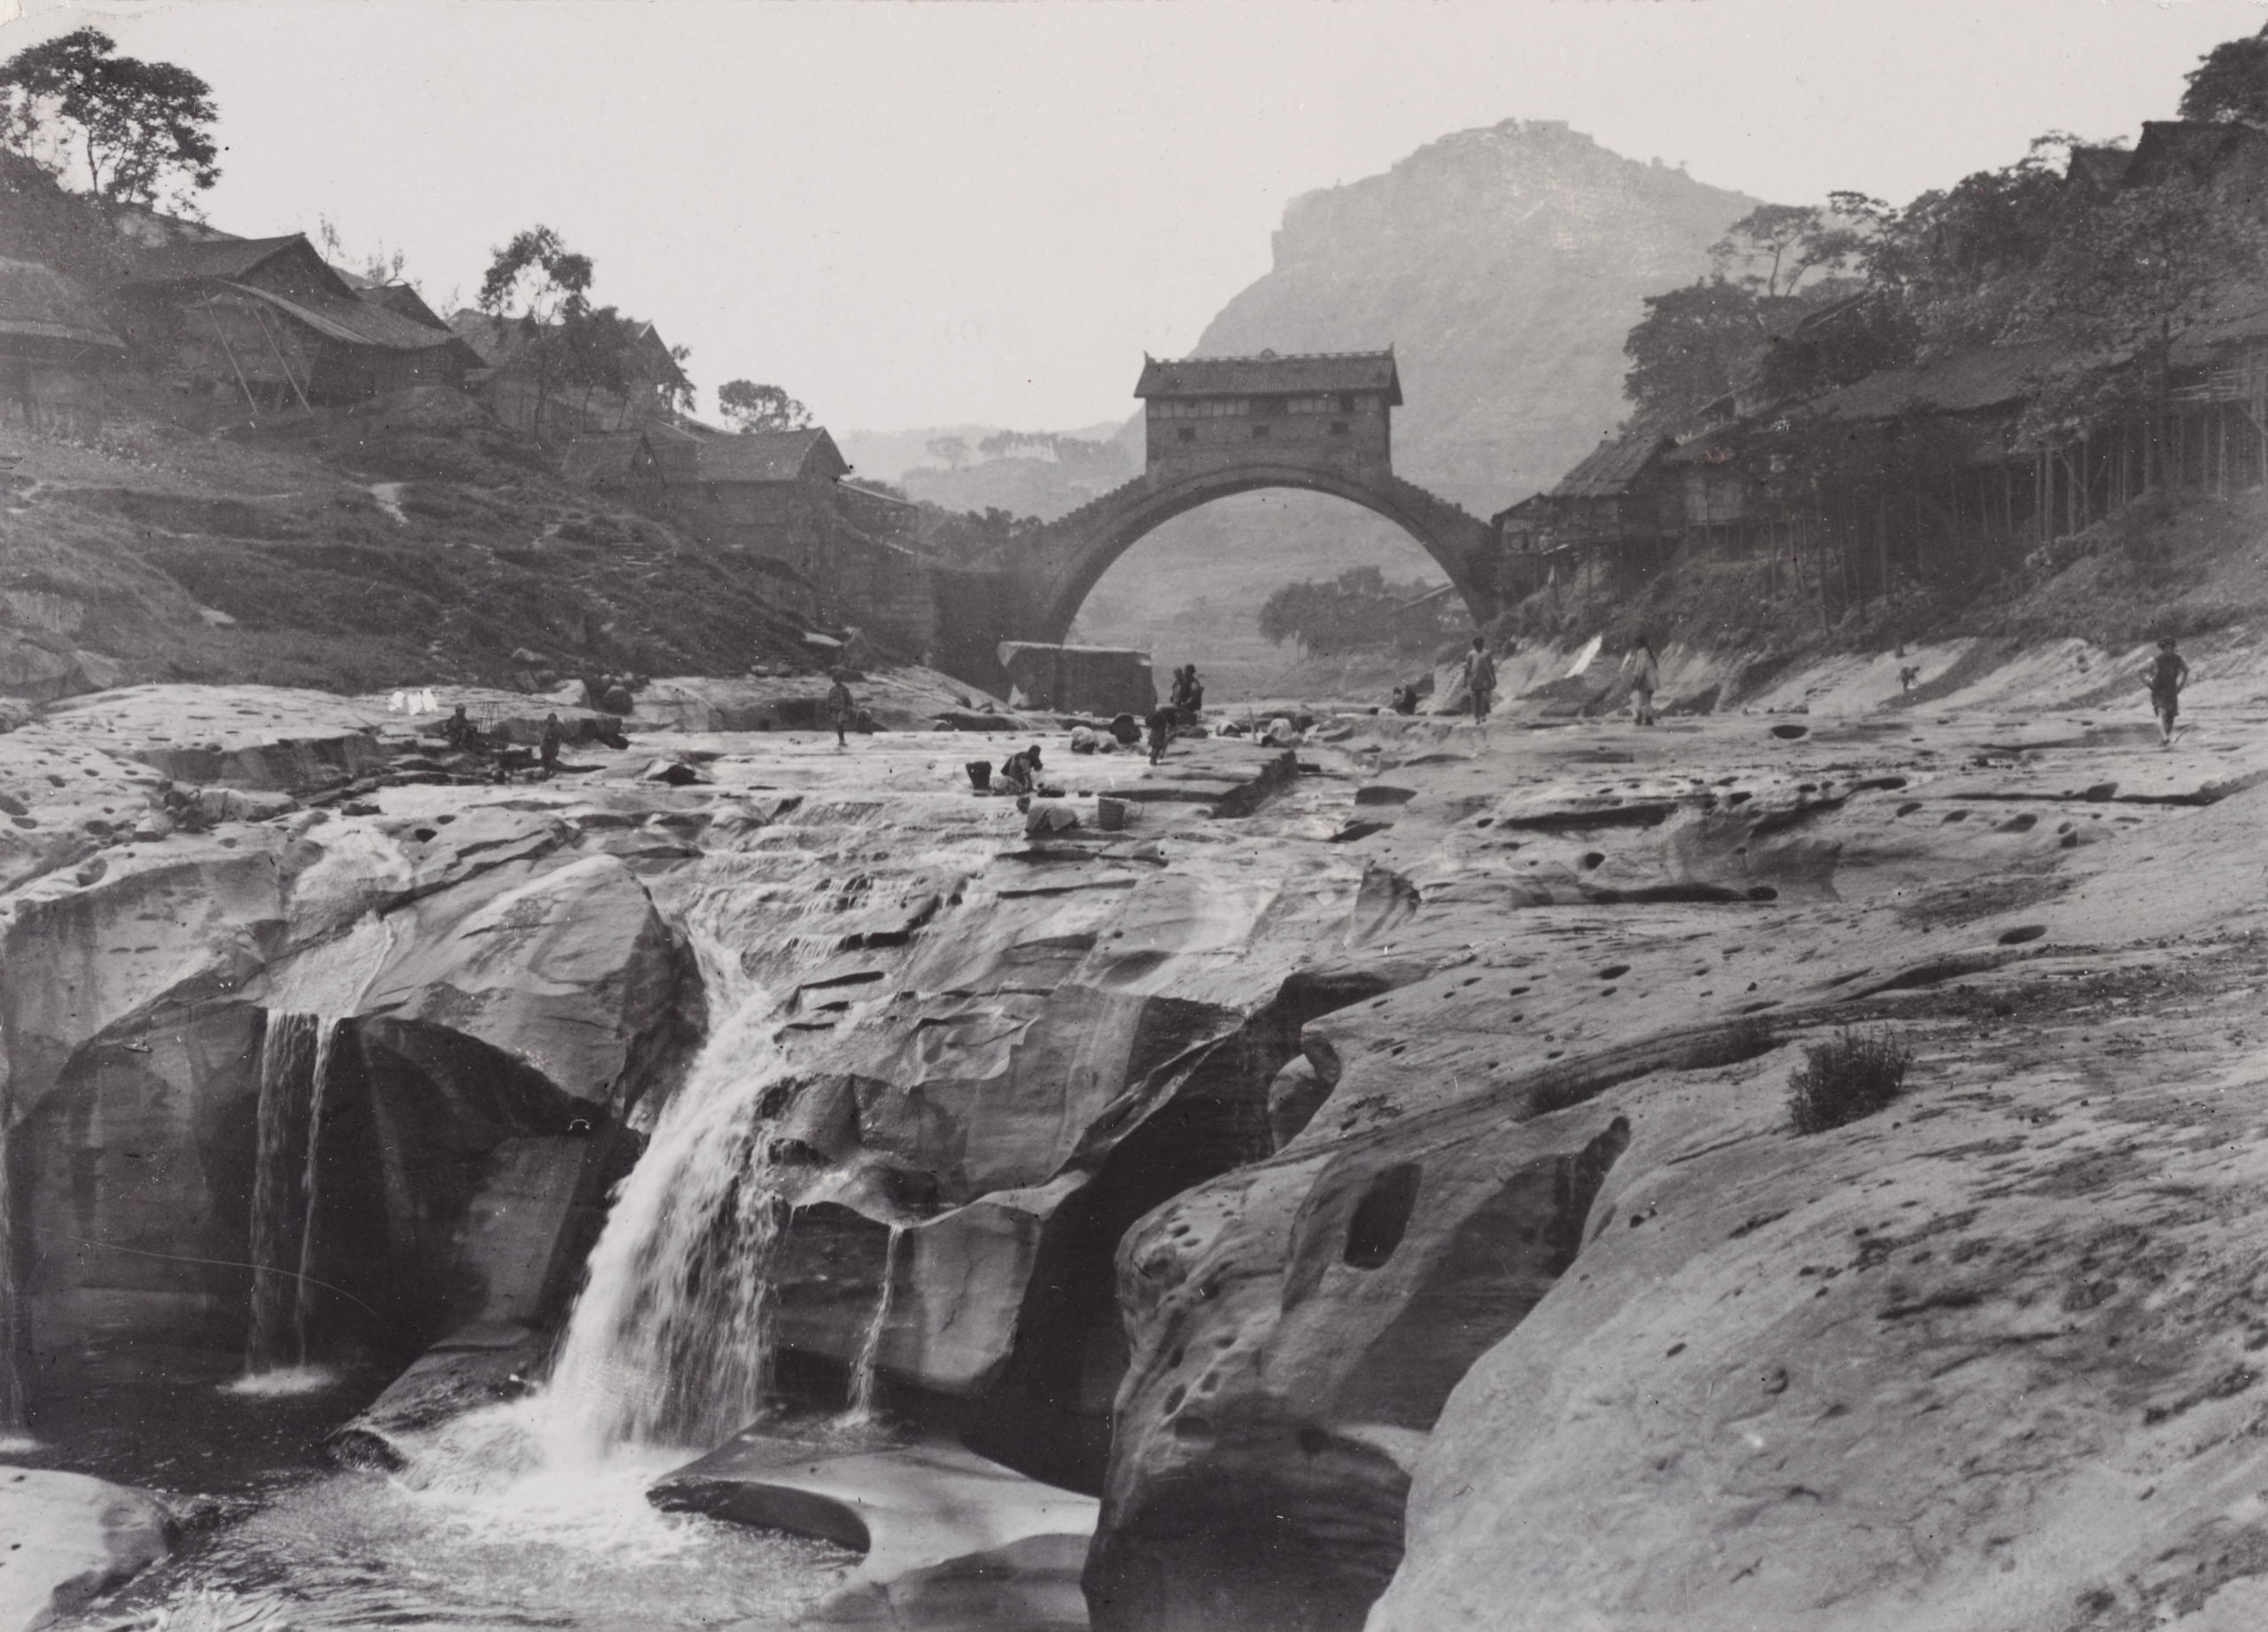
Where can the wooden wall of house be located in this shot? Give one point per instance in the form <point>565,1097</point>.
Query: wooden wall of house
<point>50,397</point>
<point>1349,432</point>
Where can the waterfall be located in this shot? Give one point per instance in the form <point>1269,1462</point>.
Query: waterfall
<point>670,1343</point>
<point>295,1057</point>
<point>870,1346</point>
<point>12,1382</point>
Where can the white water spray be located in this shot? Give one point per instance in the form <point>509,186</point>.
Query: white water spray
<point>295,1062</point>
<point>863,1372</point>
<point>670,1342</point>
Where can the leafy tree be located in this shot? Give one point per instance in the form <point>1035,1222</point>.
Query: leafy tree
<point>2230,83</point>
<point>127,131</point>
<point>755,408</point>
<point>2126,279</point>
<point>543,289</point>
<point>1359,609</point>
<point>1692,346</point>
<point>952,450</point>
<point>1774,246</point>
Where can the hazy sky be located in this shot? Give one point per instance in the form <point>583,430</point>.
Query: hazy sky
<point>923,213</point>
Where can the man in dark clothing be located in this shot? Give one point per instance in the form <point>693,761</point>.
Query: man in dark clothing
<point>554,733</point>
<point>1020,772</point>
<point>2167,677</point>
<point>459,732</point>
<point>1163,722</point>
<point>842,708</point>
<point>1192,700</point>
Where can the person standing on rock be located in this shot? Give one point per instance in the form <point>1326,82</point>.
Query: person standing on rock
<point>1480,679</point>
<point>1162,721</point>
<point>1645,680</point>
<point>842,708</point>
<point>2167,675</point>
<point>554,733</point>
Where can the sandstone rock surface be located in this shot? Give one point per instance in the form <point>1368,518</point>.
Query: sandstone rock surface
<point>68,1539</point>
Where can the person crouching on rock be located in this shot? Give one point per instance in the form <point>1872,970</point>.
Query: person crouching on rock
<point>842,708</point>
<point>459,732</point>
<point>1020,772</point>
<point>2167,675</point>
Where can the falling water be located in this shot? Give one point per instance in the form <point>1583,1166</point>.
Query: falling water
<point>12,1383</point>
<point>295,1056</point>
<point>670,1343</point>
<point>870,1346</point>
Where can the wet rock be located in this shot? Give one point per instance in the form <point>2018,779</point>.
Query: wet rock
<point>68,1539</point>
<point>949,1539</point>
<point>483,1365</point>
<point>564,975</point>
<point>1297,1327</point>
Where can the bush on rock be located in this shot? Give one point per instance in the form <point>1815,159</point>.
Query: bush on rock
<point>1848,1077</point>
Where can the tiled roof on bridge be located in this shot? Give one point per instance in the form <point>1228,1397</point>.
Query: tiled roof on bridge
<point>1269,374</point>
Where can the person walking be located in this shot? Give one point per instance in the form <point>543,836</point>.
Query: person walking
<point>1645,680</point>
<point>1163,722</point>
<point>1480,679</point>
<point>554,733</point>
<point>2167,675</point>
<point>842,708</point>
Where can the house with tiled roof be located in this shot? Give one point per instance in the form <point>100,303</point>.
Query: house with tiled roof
<point>56,352</point>
<point>269,320</point>
<point>516,353</point>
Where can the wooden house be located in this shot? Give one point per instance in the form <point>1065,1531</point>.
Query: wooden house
<point>1332,410</point>
<point>270,320</point>
<point>56,352</point>
<point>537,384</point>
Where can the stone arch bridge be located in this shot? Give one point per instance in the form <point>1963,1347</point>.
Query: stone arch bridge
<point>1217,426</point>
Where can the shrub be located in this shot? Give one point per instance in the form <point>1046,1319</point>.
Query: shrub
<point>1848,1077</point>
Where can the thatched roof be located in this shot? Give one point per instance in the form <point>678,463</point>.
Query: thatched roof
<point>42,308</point>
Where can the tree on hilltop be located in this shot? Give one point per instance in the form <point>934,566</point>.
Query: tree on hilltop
<point>952,450</point>
<point>755,408</point>
<point>124,130</point>
<point>543,289</point>
<point>2230,83</point>
<point>1772,248</point>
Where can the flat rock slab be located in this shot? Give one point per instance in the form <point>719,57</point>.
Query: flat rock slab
<point>67,1540</point>
<point>951,1539</point>
<point>1231,778</point>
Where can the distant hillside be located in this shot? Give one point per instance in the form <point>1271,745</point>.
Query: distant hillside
<point>1504,266</point>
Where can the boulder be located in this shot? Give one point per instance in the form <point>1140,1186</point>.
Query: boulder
<point>1296,1328</point>
<point>562,975</point>
<point>949,1539</point>
<point>70,1539</point>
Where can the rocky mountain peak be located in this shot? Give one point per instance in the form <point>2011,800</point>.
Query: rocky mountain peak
<point>1505,264</point>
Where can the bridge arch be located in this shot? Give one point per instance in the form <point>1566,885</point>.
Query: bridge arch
<point>1063,561</point>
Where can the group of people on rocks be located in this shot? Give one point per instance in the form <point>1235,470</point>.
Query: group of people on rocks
<point>2168,674</point>
<point>1640,664</point>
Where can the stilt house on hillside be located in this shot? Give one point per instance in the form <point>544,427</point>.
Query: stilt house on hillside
<point>56,352</point>
<point>269,319</point>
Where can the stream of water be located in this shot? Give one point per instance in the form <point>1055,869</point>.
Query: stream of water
<point>295,1062</point>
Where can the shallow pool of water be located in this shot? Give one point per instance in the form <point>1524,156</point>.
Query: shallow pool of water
<point>371,1549</point>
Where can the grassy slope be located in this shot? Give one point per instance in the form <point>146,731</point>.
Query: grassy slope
<point>131,548</point>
